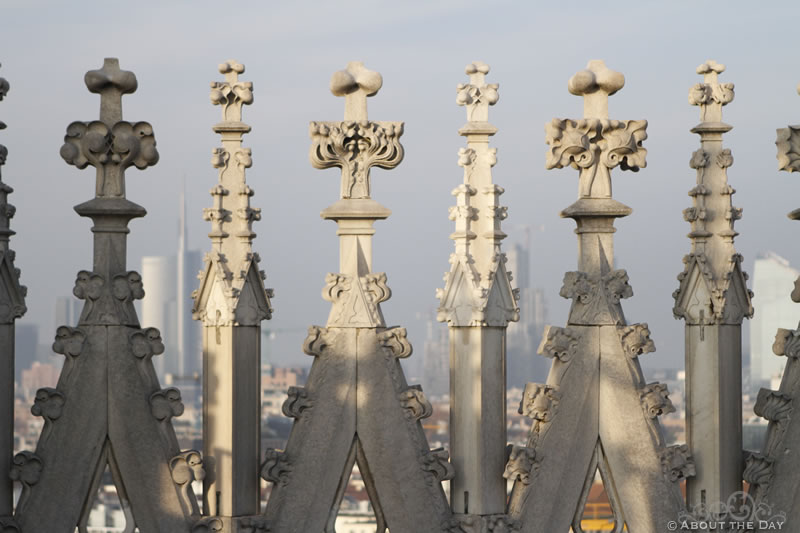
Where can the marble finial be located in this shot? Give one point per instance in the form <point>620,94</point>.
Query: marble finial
<point>232,94</point>
<point>477,95</point>
<point>110,83</point>
<point>711,95</point>
<point>355,83</point>
<point>596,83</point>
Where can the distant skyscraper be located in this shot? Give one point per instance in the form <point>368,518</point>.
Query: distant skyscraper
<point>773,281</point>
<point>435,359</point>
<point>168,285</point>
<point>26,340</point>
<point>188,331</point>
<point>159,309</point>
<point>523,337</point>
<point>68,312</point>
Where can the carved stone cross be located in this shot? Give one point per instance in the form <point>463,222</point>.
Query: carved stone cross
<point>711,95</point>
<point>110,145</point>
<point>596,144</point>
<point>596,83</point>
<point>355,83</point>
<point>356,144</point>
<point>111,83</point>
<point>476,95</point>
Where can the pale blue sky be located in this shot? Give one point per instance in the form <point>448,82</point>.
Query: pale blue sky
<point>291,49</point>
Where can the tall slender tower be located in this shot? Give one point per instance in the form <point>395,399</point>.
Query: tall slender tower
<point>184,319</point>
<point>478,302</point>
<point>231,302</point>
<point>713,299</point>
<point>772,473</point>
<point>12,306</point>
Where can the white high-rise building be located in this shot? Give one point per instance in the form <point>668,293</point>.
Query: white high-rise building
<point>167,305</point>
<point>159,309</point>
<point>773,281</point>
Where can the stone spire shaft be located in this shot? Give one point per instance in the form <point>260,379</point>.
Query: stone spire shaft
<point>477,302</point>
<point>12,303</point>
<point>713,299</point>
<point>772,473</point>
<point>231,301</point>
<point>356,407</point>
<point>596,390</point>
<point>108,390</point>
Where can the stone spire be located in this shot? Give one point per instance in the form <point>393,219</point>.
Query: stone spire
<point>108,408</point>
<point>713,299</point>
<point>231,302</point>
<point>356,407</point>
<point>12,306</point>
<point>772,473</point>
<point>477,302</point>
<point>596,411</point>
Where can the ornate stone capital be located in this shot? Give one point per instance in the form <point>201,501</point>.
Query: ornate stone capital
<point>711,95</point>
<point>355,148</point>
<point>477,95</point>
<point>594,147</point>
<point>231,94</point>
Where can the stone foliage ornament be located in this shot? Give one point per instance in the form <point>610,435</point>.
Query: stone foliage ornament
<point>713,299</point>
<point>356,407</point>
<point>108,408</point>
<point>596,390</point>
<point>12,307</point>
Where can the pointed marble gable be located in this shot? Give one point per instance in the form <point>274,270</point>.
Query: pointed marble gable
<point>695,298</point>
<point>501,303</point>
<point>458,298</point>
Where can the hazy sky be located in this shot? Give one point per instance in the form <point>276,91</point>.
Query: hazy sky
<point>291,49</point>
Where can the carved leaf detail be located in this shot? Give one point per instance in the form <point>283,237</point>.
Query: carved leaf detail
<point>414,403</point>
<point>49,404</point>
<point>297,403</point>
<point>539,401</point>
<point>655,400</point>
<point>276,467</point>
<point>437,462</point>
<point>758,469</point>
<point>208,525</point>
<point>88,285</point>
<point>773,405</point>
<point>127,286</point>
<point>166,403</point>
<point>315,343</point>
<point>787,342</point>
<point>636,339</point>
<point>396,340</point>
<point>187,467</point>
<point>677,463</point>
<point>521,465</point>
<point>788,144</point>
<point>146,343</point>
<point>69,341</point>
